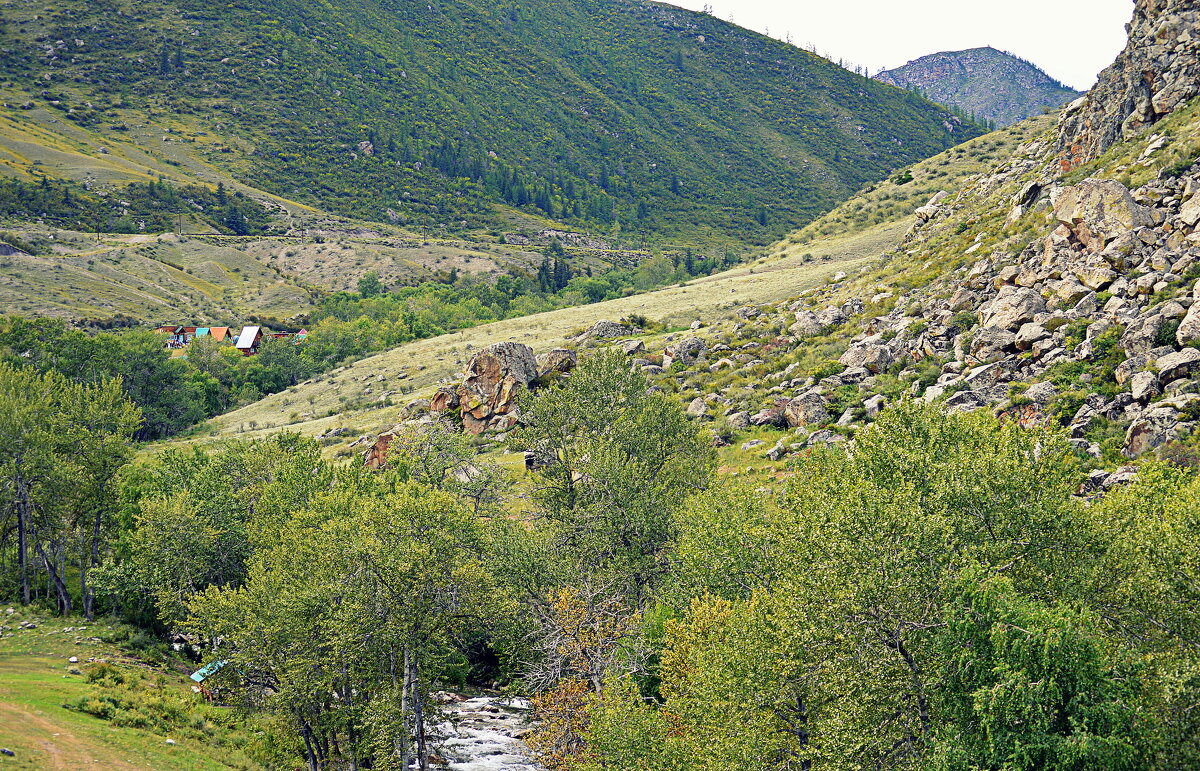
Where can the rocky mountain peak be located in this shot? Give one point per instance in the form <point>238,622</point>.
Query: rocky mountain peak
<point>1157,72</point>
<point>990,84</point>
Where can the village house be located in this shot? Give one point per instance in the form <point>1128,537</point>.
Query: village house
<point>249,340</point>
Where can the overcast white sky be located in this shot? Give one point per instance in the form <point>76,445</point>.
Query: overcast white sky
<point>1070,39</point>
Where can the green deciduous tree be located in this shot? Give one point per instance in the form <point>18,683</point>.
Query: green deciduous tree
<point>915,602</point>
<point>619,459</point>
<point>61,446</point>
<point>342,625</point>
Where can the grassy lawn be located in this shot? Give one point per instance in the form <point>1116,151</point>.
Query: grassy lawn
<point>37,679</point>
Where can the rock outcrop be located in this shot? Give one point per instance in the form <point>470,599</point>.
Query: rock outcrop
<point>1157,72</point>
<point>487,397</point>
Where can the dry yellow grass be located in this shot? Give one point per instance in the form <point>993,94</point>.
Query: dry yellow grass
<point>366,396</point>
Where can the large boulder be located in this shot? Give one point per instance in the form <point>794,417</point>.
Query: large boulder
<point>1098,211</point>
<point>807,409</point>
<point>558,361</point>
<point>806,324</point>
<point>632,347</point>
<point>444,400</point>
<point>1141,333</point>
<point>874,358</point>
<point>1176,365</point>
<point>687,350</point>
<point>1145,435</point>
<point>991,343</point>
<point>771,416</point>
<point>608,330</point>
<point>1029,334</point>
<point>831,316</point>
<point>376,455</point>
<point>494,376</point>
<point>1189,328</point>
<point>1094,273</point>
<point>1144,386</point>
<point>1012,307</point>
<point>1189,213</point>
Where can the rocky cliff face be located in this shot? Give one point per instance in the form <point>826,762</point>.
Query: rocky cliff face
<point>1157,72</point>
<point>988,83</point>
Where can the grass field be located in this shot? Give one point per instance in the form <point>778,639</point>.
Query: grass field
<point>37,679</point>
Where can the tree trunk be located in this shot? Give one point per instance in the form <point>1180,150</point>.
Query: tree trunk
<point>418,716</point>
<point>404,761</point>
<point>89,594</point>
<point>308,747</point>
<point>23,538</point>
<point>60,587</point>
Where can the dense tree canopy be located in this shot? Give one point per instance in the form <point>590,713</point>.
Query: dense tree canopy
<point>934,596</point>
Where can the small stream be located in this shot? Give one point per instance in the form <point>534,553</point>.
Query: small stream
<point>481,734</point>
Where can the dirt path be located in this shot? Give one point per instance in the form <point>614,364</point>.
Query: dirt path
<point>64,750</point>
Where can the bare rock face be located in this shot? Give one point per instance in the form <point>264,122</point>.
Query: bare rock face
<point>376,455</point>
<point>487,396</point>
<point>1157,72</point>
<point>444,400</point>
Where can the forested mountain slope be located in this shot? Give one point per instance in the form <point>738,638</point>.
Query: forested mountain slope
<point>610,114</point>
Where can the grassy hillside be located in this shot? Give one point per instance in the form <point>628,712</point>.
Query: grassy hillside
<point>608,114</point>
<point>906,190</point>
<point>367,395</point>
<point>217,279</point>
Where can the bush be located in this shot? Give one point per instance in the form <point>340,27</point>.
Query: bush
<point>964,320</point>
<point>17,242</point>
<point>828,369</point>
<point>1064,406</point>
<point>1180,454</point>
<point>104,673</point>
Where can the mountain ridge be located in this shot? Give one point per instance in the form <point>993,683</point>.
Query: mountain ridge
<point>421,114</point>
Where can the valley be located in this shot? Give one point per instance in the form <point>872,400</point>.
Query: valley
<point>592,385</point>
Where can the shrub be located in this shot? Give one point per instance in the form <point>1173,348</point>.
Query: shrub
<point>104,673</point>
<point>17,242</point>
<point>828,369</point>
<point>964,320</point>
<point>1064,406</point>
<point>1180,454</point>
